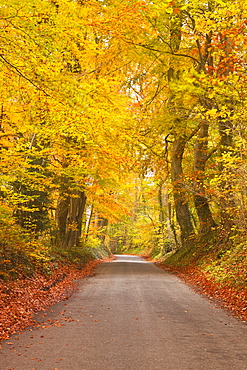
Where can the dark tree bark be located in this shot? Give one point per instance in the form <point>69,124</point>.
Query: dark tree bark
<point>74,219</point>
<point>227,200</point>
<point>205,217</point>
<point>166,229</point>
<point>182,210</point>
<point>61,218</point>
<point>180,193</point>
<point>69,218</point>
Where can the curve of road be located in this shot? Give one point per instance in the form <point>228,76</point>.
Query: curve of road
<point>130,316</point>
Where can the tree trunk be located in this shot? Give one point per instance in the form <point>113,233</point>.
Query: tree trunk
<point>162,217</point>
<point>179,191</point>
<point>69,218</point>
<point>165,229</point>
<point>227,201</point>
<point>205,217</point>
<point>61,218</point>
<point>102,224</point>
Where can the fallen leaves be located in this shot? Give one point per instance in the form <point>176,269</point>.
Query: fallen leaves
<point>19,299</point>
<point>231,298</point>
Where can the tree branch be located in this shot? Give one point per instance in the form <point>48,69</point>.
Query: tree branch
<point>162,51</point>
<point>4,60</point>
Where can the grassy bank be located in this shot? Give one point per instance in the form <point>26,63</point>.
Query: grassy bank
<point>226,264</point>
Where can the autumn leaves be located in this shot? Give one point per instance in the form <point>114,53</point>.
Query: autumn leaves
<point>123,110</point>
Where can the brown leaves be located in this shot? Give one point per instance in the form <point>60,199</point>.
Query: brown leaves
<point>20,299</point>
<point>230,297</point>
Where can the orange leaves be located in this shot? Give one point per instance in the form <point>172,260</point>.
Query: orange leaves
<point>19,299</point>
<point>122,21</point>
<point>230,297</point>
<point>176,10</point>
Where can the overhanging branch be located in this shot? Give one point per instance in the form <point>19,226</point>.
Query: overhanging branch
<point>17,70</point>
<point>162,51</point>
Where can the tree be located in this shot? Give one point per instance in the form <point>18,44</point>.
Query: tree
<point>99,89</point>
<point>192,76</point>
<point>59,94</point>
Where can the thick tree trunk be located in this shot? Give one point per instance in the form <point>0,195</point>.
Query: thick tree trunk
<point>69,218</point>
<point>179,191</point>
<point>61,218</point>
<point>74,219</point>
<point>205,217</point>
<point>165,230</point>
<point>227,200</point>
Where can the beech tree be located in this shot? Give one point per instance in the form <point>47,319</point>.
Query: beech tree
<point>96,90</point>
<point>194,65</point>
<point>58,94</point>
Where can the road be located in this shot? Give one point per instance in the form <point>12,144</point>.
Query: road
<point>130,316</point>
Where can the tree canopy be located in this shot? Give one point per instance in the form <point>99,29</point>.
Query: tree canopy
<point>122,123</point>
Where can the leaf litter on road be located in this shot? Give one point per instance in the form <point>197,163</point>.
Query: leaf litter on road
<point>20,299</point>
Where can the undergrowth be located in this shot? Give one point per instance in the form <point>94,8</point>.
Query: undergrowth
<point>226,264</point>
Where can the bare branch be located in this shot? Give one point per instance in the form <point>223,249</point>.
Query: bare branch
<point>163,52</point>
<point>5,61</point>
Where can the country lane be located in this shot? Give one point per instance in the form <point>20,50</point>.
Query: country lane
<point>130,316</point>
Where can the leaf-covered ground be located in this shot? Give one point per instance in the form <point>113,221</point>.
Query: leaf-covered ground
<point>19,299</point>
<point>231,298</point>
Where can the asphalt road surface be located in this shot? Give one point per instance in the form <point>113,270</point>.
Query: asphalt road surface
<point>130,316</point>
